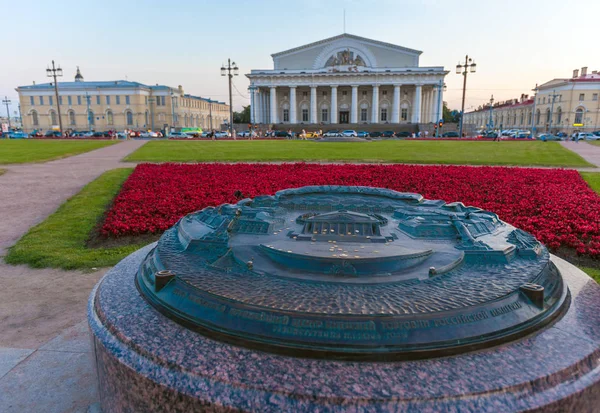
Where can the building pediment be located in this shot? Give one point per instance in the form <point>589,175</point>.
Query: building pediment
<point>345,52</point>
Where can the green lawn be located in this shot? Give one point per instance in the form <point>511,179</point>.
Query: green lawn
<point>60,241</point>
<point>34,150</point>
<point>597,143</point>
<point>422,152</point>
<point>593,180</point>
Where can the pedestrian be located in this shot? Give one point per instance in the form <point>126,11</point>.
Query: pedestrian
<point>289,134</point>
<point>303,135</point>
<point>426,134</point>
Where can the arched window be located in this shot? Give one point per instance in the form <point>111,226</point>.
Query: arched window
<point>548,116</point>
<point>91,119</point>
<point>537,117</point>
<point>559,116</point>
<point>579,115</point>
<point>129,117</point>
<point>53,120</point>
<point>34,118</point>
<point>146,118</point>
<point>529,118</point>
<point>515,118</point>
<point>185,120</point>
<point>71,117</point>
<point>522,118</point>
<point>109,118</point>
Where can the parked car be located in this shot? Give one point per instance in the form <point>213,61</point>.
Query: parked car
<point>548,137</point>
<point>101,135</point>
<point>509,132</point>
<point>244,134</point>
<point>375,134</point>
<point>491,134</point>
<point>388,134</point>
<point>332,133</point>
<point>150,134</point>
<point>362,134</point>
<point>403,134</point>
<point>52,134</point>
<point>450,135</point>
<point>586,136</point>
<point>282,134</point>
<point>563,135</point>
<point>597,133</point>
<point>179,135</point>
<point>221,134</point>
<point>17,135</point>
<point>349,133</point>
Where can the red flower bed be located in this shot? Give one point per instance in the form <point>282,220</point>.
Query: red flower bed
<point>555,205</point>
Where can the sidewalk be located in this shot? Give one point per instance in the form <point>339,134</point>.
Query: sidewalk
<point>589,152</point>
<point>46,360</point>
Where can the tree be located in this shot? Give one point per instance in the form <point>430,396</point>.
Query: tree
<point>450,116</point>
<point>243,116</point>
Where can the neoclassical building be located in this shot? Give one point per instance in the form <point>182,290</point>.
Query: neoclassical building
<point>560,105</point>
<point>346,79</point>
<point>116,105</point>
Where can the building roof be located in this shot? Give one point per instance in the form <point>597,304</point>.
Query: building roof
<point>101,84</point>
<point>347,36</point>
<point>504,105</point>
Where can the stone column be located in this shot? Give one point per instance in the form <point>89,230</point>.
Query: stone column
<point>273,104</point>
<point>416,115</point>
<point>293,105</point>
<point>396,105</point>
<point>425,110</point>
<point>375,105</point>
<point>265,106</point>
<point>354,106</point>
<point>313,104</point>
<point>434,105</point>
<point>334,109</point>
<point>256,105</point>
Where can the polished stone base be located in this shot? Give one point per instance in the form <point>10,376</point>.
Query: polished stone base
<point>146,362</point>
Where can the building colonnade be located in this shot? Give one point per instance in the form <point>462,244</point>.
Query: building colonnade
<point>345,104</point>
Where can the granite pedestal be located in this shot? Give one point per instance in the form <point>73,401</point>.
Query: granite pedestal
<point>147,362</point>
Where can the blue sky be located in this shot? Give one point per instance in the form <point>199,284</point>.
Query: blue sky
<point>515,43</point>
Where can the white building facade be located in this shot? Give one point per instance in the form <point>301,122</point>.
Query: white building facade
<point>347,79</point>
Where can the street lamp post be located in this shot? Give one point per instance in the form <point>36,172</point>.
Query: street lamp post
<point>464,69</point>
<point>554,96</point>
<point>533,111</point>
<point>440,111</point>
<point>210,113</point>
<point>491,124</point>
<point>6,101</point>
<point>227,71</point>
<point>150,102</point>
<point>54,73</point>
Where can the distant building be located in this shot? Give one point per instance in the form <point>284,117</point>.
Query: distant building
<point>116,105</point>
<point>576,107</point>
<point>346,79</point>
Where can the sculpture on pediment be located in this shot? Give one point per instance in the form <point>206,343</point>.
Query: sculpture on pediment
<point>345,58</point>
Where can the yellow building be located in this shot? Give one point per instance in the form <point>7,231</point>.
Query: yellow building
<point>560,105</point>
<point>116,105</point>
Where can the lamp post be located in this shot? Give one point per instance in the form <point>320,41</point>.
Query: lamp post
<point>227,71</point>
<point>440,111</point>
<point>173,110</point>
<point>210,113</point>
<point>6,101</point>
<point>533,123</point>
<point>491,124</point>
<point>554,96</point>
<point>464,69</point>
<point>54,73</point>
<point>150,102</point>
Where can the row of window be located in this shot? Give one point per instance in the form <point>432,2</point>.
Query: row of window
<point>559,117</point>
<point>383,115</point>
<point>80,100</point>
<point>542,100</point>
<point>193,121</point>
<point>344,93</point>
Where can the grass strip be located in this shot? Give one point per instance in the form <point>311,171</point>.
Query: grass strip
<point>60,241</point>
<point>418,152</point>
<point>33,150</point>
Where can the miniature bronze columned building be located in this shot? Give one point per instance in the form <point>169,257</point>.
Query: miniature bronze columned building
<point>361,286</point>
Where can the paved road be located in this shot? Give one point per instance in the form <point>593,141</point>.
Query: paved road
<point>589,152</point>
<point>46,363</point>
